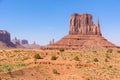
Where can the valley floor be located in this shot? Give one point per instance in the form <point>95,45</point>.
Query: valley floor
<point>59,65</point>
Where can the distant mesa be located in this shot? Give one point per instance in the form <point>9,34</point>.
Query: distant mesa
<point>25,44</point>
<point>24,41</point>
<point>19,42</point>
<point>32,46</point>
<point>83,35</point>
<point>5,40</point>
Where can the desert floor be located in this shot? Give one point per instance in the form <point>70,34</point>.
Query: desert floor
<point>17,64</point>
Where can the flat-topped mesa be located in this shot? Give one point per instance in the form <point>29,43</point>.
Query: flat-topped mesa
<point>5,40</point>
<point>4,36</point>
<point>82,24</point>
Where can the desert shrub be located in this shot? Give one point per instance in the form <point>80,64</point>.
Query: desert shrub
<point>109,51</point>
<point>106,60</point>
<point>58,53</point>
<point>25,58</point>
<point>46,53</point>
<point>6,67</point>
<point>96,60</point>
<point>20,65</point>
<point>37,56</point>
<point>88,79</point>
<point>94,51</point>
<point>10,67</point>
<point>53,58</point>
<point>76,58</point>
<point>107,56</point>
<point>55,71</point>
<point>61,50</point>
<point>1,70</point>
<point>118,51</point>
<point>110,66</point>
<point>17,51</point>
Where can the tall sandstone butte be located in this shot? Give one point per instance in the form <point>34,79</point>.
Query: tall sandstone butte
<point>5,41</point>
<point>83,35</point>
<point>83,25</point>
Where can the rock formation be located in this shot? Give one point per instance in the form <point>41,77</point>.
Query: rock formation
<point>83,25</point>
<point>4,36</point>
<point>19,42</point>
<point>24,42</point>
<point>5,41</point>
<point>16,41</point>
<point>83,35</point>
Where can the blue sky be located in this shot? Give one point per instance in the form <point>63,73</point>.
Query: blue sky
<point>43,20</point>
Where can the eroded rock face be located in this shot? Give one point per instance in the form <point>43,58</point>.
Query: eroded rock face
<point>5,39</point>
<point>83,35</point>
<point>4,36</point>
<point>82,24</point>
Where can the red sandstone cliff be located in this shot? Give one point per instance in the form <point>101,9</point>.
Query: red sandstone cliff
<point>5,41</point>
<point>83,35</point>
<point>82,24</point>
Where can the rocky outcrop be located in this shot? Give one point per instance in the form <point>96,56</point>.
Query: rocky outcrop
<point>82,24</point>
<point>24,42</point>
<point>5,41</point>
<point>4,36</point>
<point>83,35</point>
<point>16,41</point>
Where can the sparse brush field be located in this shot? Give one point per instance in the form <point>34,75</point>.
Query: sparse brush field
<point>59,65</point>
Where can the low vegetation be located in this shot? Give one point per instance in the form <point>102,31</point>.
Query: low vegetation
<point>37,56</point>
<point>55,71</point>
<point>118,51</point>
<point>109,51</point>
<point>96,60</point>
<point>76,58</point>
<point>92,65</point>
<point>10,67</point>
<point>53,58</point>
<point>62,50</point>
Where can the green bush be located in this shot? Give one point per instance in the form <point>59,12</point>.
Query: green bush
<point>106,60</point>
<point>10,67</point>
<point>55,71</point>
<point>110,66</point>
<point>25,58</point>
<point>53,58</point>
<point>96,60</point>
<point>109,51</point>
<point>118,51</point>
<point>17,51</point>
<point>37,56</point>
<point>94,51</point>
<point>62,50</point>
<point>76,58</point>
<point>107,56</point>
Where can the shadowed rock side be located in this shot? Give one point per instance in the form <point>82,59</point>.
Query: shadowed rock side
<point>5,41</point>
<point>83,35</point>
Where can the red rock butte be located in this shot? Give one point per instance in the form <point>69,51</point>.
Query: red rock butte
<point>83,35</point>
<point>5,40</point>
